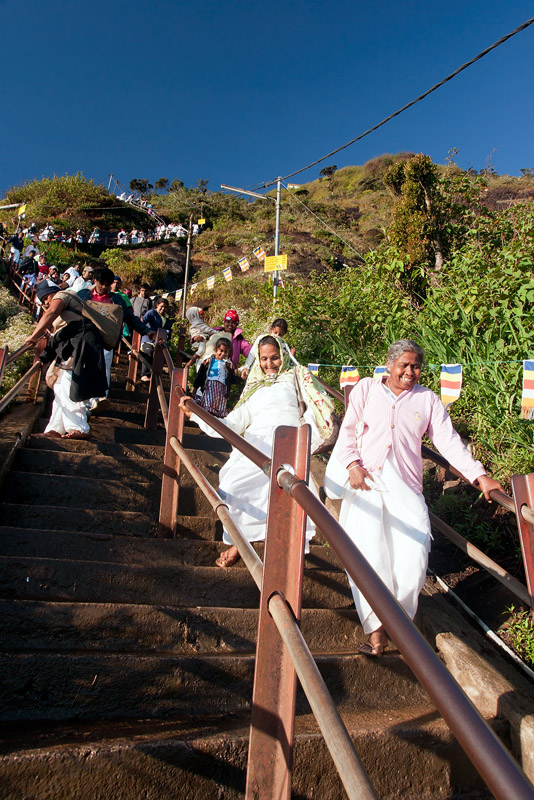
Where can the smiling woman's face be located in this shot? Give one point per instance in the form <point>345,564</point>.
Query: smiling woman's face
<point>405,372</point>
<point>270,359</point>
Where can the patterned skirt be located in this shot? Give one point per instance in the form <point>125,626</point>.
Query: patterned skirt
<point>214,398</point>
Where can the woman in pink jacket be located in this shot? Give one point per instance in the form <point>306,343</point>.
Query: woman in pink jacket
<point>383,509</point>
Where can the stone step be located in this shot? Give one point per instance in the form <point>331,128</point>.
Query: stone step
<point>63,686</point>
<point>208,528</point>
<point>406,754</point>
<point>131,628</point>
<point>104,429</point>
<point>100,582</point>
<point>105,448</point>
<point>132,551</point>
<point>57,518</point>
<point>67,491</point>
<point>83,465</point>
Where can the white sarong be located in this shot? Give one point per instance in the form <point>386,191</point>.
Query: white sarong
<point>391,528</point>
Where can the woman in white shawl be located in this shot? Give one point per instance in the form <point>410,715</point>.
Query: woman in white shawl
<point>269,399</point>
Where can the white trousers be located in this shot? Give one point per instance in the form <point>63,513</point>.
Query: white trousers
<point>66,415</point>
<point>391,529</point>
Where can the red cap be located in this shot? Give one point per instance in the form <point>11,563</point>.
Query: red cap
<point>232,315</point>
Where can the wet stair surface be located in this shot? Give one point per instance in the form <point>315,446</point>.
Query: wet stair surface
<point>127,661</point>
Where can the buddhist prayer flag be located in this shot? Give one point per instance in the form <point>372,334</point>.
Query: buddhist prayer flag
<point>165,295</point>
<point>349,376</point>
<point>451,383</point>
<point>193,287</point>
<point>527,398</point>
<point>379,373</point>
<point>22,210</point>
<point>244,264</point>
<point>314,369</point>
<point>211,282</point>
<point>259,252</point>
<point>227,272</point>
<point>202,221</point>
<point>178,295</point>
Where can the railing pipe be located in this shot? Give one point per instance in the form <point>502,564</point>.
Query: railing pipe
<point>498,572</point>
<point>487,753</point>
<point>162,401</point>
<point>350,769</point>
<point>250,558</point>
<point>168,359</point>
<point>499,497</point>
<point>13,392</point>
<point>17,353</point>
<point>256,456</point>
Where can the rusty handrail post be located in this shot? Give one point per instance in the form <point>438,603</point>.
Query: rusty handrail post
<point>131,378</point>
<point>270,753</point>
<point>170,487</point>
<point>523,491</point>
<point>152,408</point>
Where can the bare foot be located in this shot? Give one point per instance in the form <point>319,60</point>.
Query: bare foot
<point>228,558</point>
<point>47,435</point>
<point>75,435</point>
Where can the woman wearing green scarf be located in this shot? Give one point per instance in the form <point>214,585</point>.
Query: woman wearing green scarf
<point>270,398</point>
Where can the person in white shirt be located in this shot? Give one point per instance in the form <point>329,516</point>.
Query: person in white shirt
<point>85,280</point>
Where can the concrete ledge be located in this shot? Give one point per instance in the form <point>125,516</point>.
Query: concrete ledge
<point>495,686</point>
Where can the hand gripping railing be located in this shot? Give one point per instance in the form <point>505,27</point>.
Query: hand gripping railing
<point>487,753</point>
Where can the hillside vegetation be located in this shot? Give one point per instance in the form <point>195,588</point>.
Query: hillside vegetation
<point>414,249</point>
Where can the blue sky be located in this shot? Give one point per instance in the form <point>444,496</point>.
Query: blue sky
<point>240,92</point>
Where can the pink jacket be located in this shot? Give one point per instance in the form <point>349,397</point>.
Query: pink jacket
<point>400,424</point>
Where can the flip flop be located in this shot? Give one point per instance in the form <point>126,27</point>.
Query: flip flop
<point>373,651</point>
<point>75,435</point>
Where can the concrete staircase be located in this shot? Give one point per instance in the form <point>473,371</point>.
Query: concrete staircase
<point>127,661</point>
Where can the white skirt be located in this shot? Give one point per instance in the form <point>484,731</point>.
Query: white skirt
<point>391,528</point>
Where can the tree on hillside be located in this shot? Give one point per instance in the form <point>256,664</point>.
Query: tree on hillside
<point>328,173</point>
<point>202,185</point>
<point>162,183</point>
<point>176,185</point>
<point>417,217</point>
<point>140,185</point>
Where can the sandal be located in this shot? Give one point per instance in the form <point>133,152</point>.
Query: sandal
<point>224,561</point>
<point>374,649</point>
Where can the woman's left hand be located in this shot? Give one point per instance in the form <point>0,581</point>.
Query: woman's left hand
<point>488,485</point>
<point>184,406</point>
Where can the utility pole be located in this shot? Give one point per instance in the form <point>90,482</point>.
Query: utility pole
<point>277,233</point>
<point>187,258</point>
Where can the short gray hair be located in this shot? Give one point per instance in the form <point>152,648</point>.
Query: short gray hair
<point>404,346</point>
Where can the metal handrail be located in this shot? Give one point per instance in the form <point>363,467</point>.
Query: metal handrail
<point>13,392</point>
<point>487,753</point>
<point>335,734</point>
<point>499,497</point>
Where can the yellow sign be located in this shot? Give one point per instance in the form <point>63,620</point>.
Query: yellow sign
<point>202,221</point>
<point>21,210</point>
<point>272,263</point>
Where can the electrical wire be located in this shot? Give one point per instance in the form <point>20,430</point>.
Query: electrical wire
<point>408,105</point>
<point>348,244</point>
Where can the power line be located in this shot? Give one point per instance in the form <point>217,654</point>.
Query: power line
<point>348,244</point>
<point>408,105</point>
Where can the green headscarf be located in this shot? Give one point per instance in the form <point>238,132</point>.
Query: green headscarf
<point>313,394</point>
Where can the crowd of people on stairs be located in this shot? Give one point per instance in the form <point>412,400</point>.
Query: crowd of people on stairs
<point>375,467</point>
